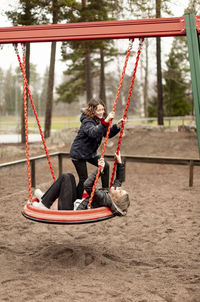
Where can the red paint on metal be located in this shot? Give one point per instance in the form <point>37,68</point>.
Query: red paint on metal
<point>160,27</point>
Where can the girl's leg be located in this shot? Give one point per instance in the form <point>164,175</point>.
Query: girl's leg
<point>52,193</point>
<point>66,196</point>
<point>81,169</point>
<point>105,175</point>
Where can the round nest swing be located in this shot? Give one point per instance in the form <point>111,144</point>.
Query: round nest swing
<point>70,216</point>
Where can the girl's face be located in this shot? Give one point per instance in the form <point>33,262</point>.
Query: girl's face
<point>99,112</point>
<point>117,191</point>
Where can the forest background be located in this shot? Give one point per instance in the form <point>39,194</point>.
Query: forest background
<point>93,68</point>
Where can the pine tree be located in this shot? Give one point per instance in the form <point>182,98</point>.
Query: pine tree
<point>26,14</point>
<point>193,7</point>
<point>84,57</point>
<point>177,99</point>
<point>43,93</point>
<point>41,11</point>
<point>177,87</point>
<point>144,9</point>
<point>35,87</point>
<point>9,90</point>
<point>2,111</point>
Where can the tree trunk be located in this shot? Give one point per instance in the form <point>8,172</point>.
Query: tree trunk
<point>159,70</point>
<point>146,83</point>
<point>49,101</point>
<point>23,139</point>
<point>88,75</point>
<point>87,65</point>
<point>159,82</point>
<point>102,92</point>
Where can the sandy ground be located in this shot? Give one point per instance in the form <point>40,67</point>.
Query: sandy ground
<point>150,255</point>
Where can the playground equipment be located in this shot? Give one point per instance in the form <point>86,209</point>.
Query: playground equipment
<point>71,217</point>
<point>188,26</point>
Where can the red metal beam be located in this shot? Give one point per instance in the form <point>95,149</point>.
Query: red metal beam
<point>160,27</point>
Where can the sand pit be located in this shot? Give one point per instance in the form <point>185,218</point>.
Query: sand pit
<point>150,255</point>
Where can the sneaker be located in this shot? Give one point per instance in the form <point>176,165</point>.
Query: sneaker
<point>83,204</point>
<point>38,194</point>
<point>39,205</point>
<point>77,203</point>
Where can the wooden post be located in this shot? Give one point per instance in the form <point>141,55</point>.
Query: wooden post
<point>33,182</point>
<point>59,164</point>
<point>124,160</point>
<point>191,173</point>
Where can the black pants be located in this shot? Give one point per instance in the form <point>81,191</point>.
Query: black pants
<point>64,188</point>
<point>82,172</point>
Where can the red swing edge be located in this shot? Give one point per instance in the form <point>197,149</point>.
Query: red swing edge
<point>66,217</point>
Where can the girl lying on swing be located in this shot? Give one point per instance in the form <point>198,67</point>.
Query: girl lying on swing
<point>64,188</point>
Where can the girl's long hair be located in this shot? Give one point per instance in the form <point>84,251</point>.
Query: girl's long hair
<point>92,106</point>
<point>123,202</point>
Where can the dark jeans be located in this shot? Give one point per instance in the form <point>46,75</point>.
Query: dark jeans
<point>64,188</point>
<point>81,168</point>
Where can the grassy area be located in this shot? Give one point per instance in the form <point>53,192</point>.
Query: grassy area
<point>62,122</point>
<point>58,123</point>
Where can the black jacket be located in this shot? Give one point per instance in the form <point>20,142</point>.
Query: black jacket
<point>102,198</point>
<point>89,137</point>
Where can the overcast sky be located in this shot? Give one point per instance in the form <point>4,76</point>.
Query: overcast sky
<point>40,52</point>
<point>41,55</point>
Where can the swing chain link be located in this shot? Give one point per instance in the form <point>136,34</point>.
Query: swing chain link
<point>141,44</point>
<point>15,45</point>
<point>23,47</point>
<point>130,44</point>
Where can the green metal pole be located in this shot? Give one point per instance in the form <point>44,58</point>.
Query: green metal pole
<point>194,57</point>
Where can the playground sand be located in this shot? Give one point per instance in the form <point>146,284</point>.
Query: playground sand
<point>150,255</point>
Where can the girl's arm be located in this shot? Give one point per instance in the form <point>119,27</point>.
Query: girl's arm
<point>120,172</point>
<point>116,128</point>
<point>93,130</point>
